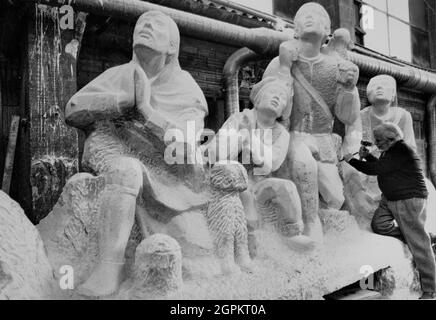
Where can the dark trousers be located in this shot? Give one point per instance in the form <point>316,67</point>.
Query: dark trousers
<point>410,215</point>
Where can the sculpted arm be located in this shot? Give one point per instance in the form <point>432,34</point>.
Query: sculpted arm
<point>281,66</point>
<point>353,136</point>
<point>288,54</point>
<point>105,97</point>
<point>272,68</point>
<point>375,167</point>
<point>111,95</point>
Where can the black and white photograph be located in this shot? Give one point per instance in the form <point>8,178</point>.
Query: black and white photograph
<point>213,157</point>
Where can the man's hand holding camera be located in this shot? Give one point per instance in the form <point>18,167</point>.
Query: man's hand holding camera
<point>363,152</point>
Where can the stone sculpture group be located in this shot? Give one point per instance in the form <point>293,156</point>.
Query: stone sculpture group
<point>134,216</point>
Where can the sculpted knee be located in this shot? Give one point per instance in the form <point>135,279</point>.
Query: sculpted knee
<point>126,172</point>
<point>292,200</point>
<point>303,157</point>
<point>303,164</point>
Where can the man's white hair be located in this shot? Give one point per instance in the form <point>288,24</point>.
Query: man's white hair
<point>389,130</point>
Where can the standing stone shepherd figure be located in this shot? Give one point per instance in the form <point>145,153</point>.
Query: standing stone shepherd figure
<point>321,93</point>
<point>151,88</point>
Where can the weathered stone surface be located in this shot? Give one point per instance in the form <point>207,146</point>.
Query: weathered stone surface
<point>158,268</point>
<point>281,273</point>
<point>338,221</point>
<point>192,233</point>
<point>25,272</point>
<point>324,89</point>
<point>70,231</point>
<point>48,177</point>
<point>138,164</point>
<point>226,217</point>
<point>278,271</point>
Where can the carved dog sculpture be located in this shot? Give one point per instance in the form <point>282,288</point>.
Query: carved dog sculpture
<point>226,217</point>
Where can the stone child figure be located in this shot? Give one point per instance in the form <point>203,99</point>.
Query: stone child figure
<point>382,94</point>
<point>320,95</point>
<point>263,150</point>
<point>226,217</point>
<point>154,88</point>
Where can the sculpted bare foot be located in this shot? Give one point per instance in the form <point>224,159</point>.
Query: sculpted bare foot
<point>245,263</point>
<point>300,243</point>
<point>228,266</point>
<point>314,231</point>
<point>104,280</point>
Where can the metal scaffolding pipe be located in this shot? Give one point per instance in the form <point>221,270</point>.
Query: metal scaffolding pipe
<point>261,40</point>
<point>406,76</point>
<point>208,10</point>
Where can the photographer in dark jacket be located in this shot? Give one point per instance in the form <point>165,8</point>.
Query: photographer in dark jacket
<point>404,197</point>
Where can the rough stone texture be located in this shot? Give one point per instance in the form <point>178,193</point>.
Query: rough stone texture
<point>338,221</point>
<point>70,232</point>
<point>191,232</point>
<point>158,268</point>
<point>278,271</point>
<point>25,272</point>
<point>282,273</point>
<point>47,178</point>
<point>278,204</point>
<point>226,217</point>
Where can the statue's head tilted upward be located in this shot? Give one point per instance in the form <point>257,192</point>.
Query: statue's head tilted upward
<point>157,32</point>
<point>272,95</point>
<point>382,88</point>
<point>312,19</point>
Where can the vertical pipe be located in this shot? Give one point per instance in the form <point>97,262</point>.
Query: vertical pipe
<point>230,74</point>
<point>431,111</point>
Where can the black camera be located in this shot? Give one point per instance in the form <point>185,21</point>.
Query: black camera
<point>366,143</point>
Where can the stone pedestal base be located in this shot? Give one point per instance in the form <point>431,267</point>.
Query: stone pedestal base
<point>278,270</point>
